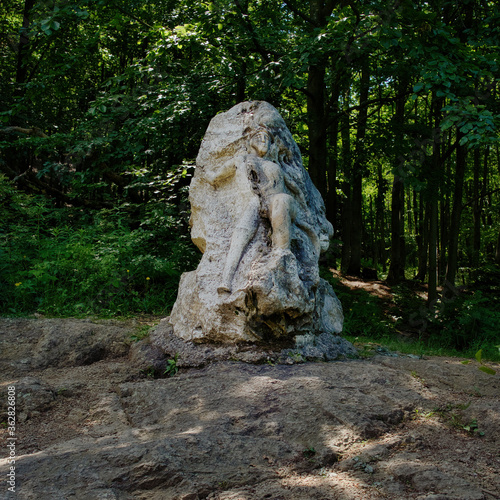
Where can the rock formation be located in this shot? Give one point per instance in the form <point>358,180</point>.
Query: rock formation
<point>261,226</point>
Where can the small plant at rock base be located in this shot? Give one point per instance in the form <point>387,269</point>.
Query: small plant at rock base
<point>141,333</point>
<point>479,358</point>
<point>473,428</point>
<point>309,452</point>
<point>450,416</point>
<point>417,377</point>
<point>172,368</point>
<point>149,372</point>
<point>296,357</point>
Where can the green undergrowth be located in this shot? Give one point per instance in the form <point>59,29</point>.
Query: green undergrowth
<point>81,262</point>
<point>462,322</point>
<point>399,345</point>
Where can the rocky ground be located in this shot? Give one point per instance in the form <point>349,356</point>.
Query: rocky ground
<point>93,422</point>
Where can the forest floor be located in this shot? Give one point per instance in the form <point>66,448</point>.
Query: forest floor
<point>92,425</point>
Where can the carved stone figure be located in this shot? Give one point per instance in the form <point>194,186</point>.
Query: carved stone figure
<point>261,226</point>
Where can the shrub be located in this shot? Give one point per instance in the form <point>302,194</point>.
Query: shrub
<point>364,314</point>
<point>64,261</point>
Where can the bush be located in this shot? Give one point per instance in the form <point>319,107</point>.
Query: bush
<point>364,314</point>
<point>73,262</point>
<point>468,323</point>
<point>465,319</point>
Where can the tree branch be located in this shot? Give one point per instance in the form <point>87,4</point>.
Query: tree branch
<point>300,14</point>
<point>258,47</point>
<point>128,14</point>
<point>34,131</point>
<point>480,197</point>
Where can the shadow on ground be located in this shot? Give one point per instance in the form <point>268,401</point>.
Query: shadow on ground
<point>92,426</point>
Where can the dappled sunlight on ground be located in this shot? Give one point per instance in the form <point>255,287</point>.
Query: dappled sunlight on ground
<point>386,427</point>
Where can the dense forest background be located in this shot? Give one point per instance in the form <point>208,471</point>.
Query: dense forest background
<point>394,104</point>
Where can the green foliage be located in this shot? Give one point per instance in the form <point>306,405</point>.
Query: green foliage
<point>122,93</point>
<point>364,314</point>
<point>309,452</point>
<point>141,333</point>
<point>171,368</point>
<point>459,321</point>
<point>486,369</point>
<point>470,321</point>
<point>452,416</point>
<point>108,262</point>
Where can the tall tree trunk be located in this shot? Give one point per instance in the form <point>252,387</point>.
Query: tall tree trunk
<point>444,228</point>
<point>452,265</point>
<point>396,269</point>
<point>319,11</point>
<point>379,218</point>
<point>476,210</point>
<point>346,189</point>
<point>497,252</point>
<point>433,194</point>
<point>317,126</point>
<point>433,225</point>
<point>333,159</point>
<point>372,234</point>
<point>22,69</point>
<point>422,240</point>
<point>402,239</point>
<point>357,174</point>
<point>241,82</point>
<point>396,229</point>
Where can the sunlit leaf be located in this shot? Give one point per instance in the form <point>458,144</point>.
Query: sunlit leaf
<point>488,370</point>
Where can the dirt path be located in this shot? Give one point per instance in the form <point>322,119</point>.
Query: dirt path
<point>90,425</point>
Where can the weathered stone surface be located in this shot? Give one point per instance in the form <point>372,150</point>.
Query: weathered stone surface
<point>433,480</point>
<point>32,397</point>
<point>48,343</point>
<point>323,347</point>
<point>230,430</point>
<point>261,226</point>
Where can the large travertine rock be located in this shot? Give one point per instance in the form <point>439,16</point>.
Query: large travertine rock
<point>261,226</point>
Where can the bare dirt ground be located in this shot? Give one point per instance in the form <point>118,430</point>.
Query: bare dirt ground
<point>92,425</point>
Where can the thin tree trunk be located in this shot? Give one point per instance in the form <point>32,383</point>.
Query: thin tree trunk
<point>379,218</point>
<point>452,265</point>
<point>22,69</point>
<point>241,83</point>
<point>497,252</point>
<point>476,210</point>
<point>433,193</point>
<point>396,223</point>
<point>372,236</point>
<point>357,177</point>
<point>444,226</point>
<point>402,242</point>
<point>433,224</point>
<point>346,189</point>
<point>331,197</point>
<point>319,12</point>
<point>396,269</point>
<point>422,240</point>
<point>444,215</point>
